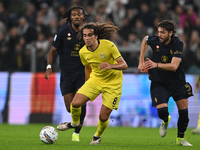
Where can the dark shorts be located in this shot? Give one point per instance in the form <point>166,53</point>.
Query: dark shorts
<point>70,82</point>
<point>161,93</point>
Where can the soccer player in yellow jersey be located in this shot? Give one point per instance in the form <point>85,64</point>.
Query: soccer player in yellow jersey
<point>103,69</point>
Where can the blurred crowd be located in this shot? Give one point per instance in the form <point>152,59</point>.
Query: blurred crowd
<point>27,28</point>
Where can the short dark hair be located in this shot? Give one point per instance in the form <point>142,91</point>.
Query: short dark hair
<point>168,25</point>
<point>68,13</point>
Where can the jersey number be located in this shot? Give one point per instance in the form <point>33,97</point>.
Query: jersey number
<point>115,101</point>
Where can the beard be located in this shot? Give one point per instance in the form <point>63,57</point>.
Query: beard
<point>76,24</point>
<point>165,40</point>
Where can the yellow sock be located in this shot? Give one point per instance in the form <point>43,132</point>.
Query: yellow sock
<point>75,113</point>
<point>101,127</point>
<point>198,121</point>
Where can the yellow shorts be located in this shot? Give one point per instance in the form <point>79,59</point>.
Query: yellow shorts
<point>111,93</point>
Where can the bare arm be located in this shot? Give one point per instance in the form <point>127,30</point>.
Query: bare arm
<point>50,58</point>
<point>121,65</point>
<point>173,66</point>
<point>88,70</point>
<point>51,55</point>
<point>143,51</point>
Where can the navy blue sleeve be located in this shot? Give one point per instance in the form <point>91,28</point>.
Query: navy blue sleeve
<point>177,49</point>
<point>150,39</point>
<point>57,40</point>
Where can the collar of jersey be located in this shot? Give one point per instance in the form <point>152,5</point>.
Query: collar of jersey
<point>71,29</point>
<point>95,49</point>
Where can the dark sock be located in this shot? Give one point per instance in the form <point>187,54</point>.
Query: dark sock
<point>163,113</point>
<point>95,138</point>
<point>82,117</point>
<point>183,121</point>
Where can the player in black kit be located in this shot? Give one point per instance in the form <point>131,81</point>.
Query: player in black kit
<point>167,77</point>
<point>72,71</point>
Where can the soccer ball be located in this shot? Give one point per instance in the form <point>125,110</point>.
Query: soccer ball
<point>48,135</point>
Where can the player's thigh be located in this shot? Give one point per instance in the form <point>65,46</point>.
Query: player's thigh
<point>67,86</point>
<point>182,104</point>
<point>80,80</point>
<point>68,98</point>
<point>159,94</point>
<point>79,100</point>
<point>90,89</point>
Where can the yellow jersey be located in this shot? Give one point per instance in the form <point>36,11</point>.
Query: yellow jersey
<point>105,52</point>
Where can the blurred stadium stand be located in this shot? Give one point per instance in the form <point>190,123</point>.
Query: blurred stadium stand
<point>26,34</point>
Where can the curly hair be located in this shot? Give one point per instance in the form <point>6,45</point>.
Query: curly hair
<point>68,13</point>
<point>102,30</point>
<point>168,25</point>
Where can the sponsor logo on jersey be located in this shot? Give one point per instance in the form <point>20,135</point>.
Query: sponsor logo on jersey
<point>177,52</point>
<point>77,47</point>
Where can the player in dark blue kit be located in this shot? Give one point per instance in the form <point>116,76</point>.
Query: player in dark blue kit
<point>167,77</point>
<point>72,71</point>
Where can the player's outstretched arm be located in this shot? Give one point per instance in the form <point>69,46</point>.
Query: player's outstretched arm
<point>173,66</point>
<point>50,57</point>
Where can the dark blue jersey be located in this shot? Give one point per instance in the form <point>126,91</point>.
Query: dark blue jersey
<point>164,54</point>
<point>68,49</point>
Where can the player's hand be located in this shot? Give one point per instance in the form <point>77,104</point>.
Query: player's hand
<point>149,64</point>
<point>48,73</point>
<point>141,67</point>
<point>105,66</point>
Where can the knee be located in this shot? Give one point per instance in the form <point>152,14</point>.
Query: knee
<point>103,118</point>
<point>75,104</point>
<point>163,113</point>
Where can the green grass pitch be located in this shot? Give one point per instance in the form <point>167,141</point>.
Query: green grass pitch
<point>26,137</point>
